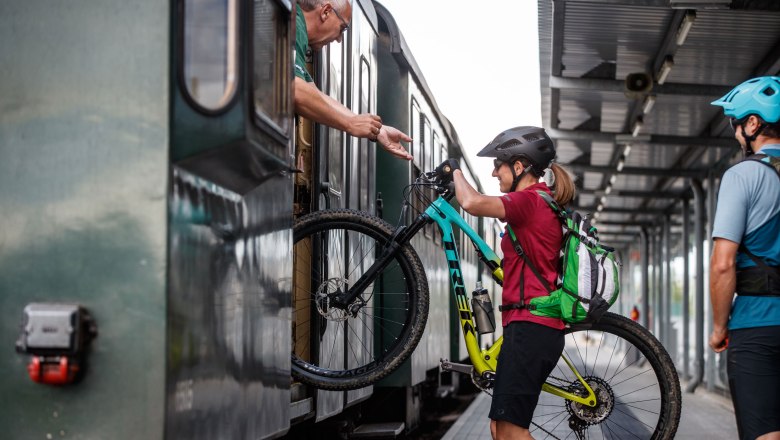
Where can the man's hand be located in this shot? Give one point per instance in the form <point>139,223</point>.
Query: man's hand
<point>719,339</point>
<point>445,170</point>
<point>390,138</point>
<point>365,125</point>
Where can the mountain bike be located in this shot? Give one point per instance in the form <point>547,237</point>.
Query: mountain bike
<point>360,289</point>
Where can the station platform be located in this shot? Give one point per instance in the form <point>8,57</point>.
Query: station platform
<point>704,416</point>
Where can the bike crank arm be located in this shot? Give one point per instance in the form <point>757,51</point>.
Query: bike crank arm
<point>446,365</point>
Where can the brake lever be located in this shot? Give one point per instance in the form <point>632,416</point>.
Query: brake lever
<point>430,176</point>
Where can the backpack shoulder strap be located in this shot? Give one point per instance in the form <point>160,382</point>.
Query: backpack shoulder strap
<point>559,212</point>
<point>521,253</point>
<point>770,161</point>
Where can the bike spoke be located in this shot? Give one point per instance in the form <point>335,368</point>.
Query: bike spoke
<point>617,370</point>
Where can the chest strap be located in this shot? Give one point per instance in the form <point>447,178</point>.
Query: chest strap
<point>761,280</point>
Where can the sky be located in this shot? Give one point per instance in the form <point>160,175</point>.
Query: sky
<point>481,62</point>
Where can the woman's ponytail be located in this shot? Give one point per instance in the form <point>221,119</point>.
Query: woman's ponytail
<point>563,186</point>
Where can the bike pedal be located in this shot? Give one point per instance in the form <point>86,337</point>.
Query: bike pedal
<point>446,365</point>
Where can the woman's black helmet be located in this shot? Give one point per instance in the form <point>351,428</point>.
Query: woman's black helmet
<point>531,143</point>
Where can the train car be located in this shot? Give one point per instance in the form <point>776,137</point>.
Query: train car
<point>152,169</point>
<point>147,189</point>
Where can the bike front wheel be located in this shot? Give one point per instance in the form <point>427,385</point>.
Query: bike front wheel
<point>635,381</point>
<point>342,349</point>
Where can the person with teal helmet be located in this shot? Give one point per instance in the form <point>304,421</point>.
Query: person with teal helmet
<point>746,259</point>
<point>759,97</point>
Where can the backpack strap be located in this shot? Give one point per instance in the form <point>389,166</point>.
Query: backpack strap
<point>519,249</point>
<point>775,165</point>
<point>559,212</point>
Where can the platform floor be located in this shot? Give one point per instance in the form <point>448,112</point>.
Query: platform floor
<point>704,416</point>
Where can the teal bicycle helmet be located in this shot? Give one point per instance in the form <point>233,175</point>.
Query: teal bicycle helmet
<point>758,96</point>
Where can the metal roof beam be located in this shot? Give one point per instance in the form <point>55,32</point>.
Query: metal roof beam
<point>624,224</point>
<point>641,171</point>
<point>669,46</point>
<point>656,3</point>
<point>556,57</point>
<point>655,139</point>
<point>638,194</point>
<point>616,210</point>
<point>619,86</point>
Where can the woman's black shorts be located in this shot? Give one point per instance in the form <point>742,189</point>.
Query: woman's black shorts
<point>754,379</point>
<point>528,355</point>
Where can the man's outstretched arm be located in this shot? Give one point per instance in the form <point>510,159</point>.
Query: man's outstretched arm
<point>312,104</point>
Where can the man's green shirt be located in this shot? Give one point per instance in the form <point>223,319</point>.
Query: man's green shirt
<point>301,46</point>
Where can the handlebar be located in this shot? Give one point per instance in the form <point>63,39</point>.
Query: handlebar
<point>444,189</point>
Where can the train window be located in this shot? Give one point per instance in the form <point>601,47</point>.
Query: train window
<point>427,146</point>
<point>210,58</point>
<point>436,154</point>
<point>365,164</point>
<point>271,65</point>
<point>425,166</point>
<point>436,145</point>
<point>415,130</point>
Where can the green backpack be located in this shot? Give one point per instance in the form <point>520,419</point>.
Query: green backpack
<point>589,277</point>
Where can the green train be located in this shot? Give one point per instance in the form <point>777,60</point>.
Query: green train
<point>152,169</point>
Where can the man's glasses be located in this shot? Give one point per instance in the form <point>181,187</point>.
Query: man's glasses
<point>734,122</point>
<point>344,25</point>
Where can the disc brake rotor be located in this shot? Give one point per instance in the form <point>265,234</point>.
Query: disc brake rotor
<point>322,299</point>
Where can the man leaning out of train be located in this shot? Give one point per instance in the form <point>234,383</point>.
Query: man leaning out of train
<point>319,23</point>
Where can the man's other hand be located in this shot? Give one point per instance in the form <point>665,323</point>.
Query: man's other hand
<point>390,138</point>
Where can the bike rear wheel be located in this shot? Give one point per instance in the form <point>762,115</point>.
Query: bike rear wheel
<point>635,380</point>
<point>334,349</point>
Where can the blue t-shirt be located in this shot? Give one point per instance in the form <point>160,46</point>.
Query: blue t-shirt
<point>749,212</point>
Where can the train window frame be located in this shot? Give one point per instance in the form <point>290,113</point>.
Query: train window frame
<point>232,54</point>
<point>337,140</point>
<point>427,145</point>
<point>364,165</point>
<point>425,166</point>
<point>415,115</point>
<point>283,74</point>
<point>436,154</point>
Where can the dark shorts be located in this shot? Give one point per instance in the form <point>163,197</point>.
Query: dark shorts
<point>754,379</point>
<point>528,355</point>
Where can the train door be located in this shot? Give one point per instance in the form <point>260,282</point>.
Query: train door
<point>230,220</point>
<point>319,157</point>
<point>361,161</point>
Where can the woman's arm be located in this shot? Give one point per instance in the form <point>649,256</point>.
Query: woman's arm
<point>474,202</point>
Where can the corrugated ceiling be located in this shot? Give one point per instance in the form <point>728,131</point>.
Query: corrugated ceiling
<point>587,49</point>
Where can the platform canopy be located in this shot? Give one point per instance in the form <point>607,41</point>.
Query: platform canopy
<point>626,91</point>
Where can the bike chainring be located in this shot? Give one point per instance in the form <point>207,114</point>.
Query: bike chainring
<point>484,381</point>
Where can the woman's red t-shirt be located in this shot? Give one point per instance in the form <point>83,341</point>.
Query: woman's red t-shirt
<point>539,232</point>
